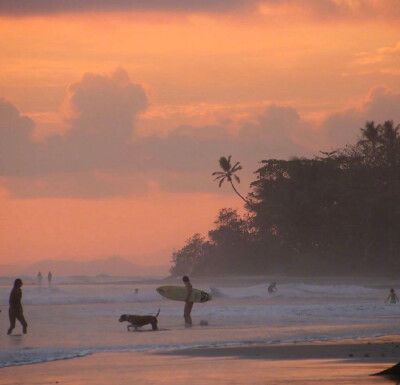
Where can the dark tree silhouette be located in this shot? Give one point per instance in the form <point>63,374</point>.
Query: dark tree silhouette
<point>335,214</point>
<point>371,135</point>
<point>228,174</point>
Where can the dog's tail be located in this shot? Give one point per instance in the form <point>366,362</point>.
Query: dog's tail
<point>157,313</point>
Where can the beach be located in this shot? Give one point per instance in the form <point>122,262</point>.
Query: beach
<point>310,331</point>
<point>328,362</point>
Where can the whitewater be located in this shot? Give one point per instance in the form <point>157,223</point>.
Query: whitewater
<point>73,318</point>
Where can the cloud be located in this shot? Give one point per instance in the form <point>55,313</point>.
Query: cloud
<point>15,138</point>
<point>104,111</point>
<point>384,60</point>
<point>318,9</point>
<point>29,7</point>
<point>102,155</point>
<point>381,104</point>
<point>342,9</point>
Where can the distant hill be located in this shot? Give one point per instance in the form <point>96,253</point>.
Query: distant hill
<point>114,266</point>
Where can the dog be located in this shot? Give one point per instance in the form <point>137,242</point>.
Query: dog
<point>137,321</point>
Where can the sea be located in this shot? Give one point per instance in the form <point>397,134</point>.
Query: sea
<point>79,316</point>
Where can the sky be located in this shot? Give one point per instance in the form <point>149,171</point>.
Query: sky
<point>113,114</point>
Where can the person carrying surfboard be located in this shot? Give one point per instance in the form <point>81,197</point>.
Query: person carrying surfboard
<point>188,305</point>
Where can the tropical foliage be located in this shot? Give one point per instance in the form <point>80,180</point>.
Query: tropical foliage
<point>338,213</point>
<point>228,173</point>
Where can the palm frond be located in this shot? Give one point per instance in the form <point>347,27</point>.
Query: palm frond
<point>220,176</point>
<point>237,179</point>
<point>225,163</point>
<point>236,167</point>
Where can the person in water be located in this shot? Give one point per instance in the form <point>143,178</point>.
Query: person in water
<point>392,297</point>
<point>272,289</point>
<point>188,304</point>
<point>39,278</point>
<point>15,311</point>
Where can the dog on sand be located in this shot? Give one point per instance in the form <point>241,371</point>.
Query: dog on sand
<point>137,321</point>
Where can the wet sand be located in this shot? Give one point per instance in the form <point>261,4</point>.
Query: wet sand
<point>342,362</point>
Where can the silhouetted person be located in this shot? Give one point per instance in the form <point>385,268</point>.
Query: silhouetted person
<point>188,304</point>
<point>15,311</point>
<point>392,297</point>
<point>272,289</point>
<point>49,277</point>
<point>39,278</point>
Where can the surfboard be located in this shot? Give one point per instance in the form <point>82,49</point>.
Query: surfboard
<point>179,293</point>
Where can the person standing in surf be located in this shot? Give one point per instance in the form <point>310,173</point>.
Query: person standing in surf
<point>15,311</point>
<point>188,304</point>
<point>272,289</point>
<point>392,297</point>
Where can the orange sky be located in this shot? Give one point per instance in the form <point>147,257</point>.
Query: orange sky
<point>112,118</point>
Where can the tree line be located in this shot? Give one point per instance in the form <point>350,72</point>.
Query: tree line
<point>337,213</point>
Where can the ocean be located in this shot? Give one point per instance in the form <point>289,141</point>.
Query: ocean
<point>79,317</point>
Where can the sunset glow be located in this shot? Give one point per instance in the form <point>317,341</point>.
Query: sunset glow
<point>113,117</point>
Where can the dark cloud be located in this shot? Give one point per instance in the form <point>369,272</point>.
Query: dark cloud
<point>101,155</point>
<point>381,104</point>
<point>272,134</point>
<point>15,139</point>
<point>32,7</point>
<point>320,9</point>
<point>326,10</point>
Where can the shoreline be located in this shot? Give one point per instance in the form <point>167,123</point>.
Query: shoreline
<point>378,349</point>
<point>297,363</point>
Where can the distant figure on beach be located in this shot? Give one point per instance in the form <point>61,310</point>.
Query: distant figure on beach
<point>15,311</point>
<point>392,297</point>
<point>272,289</point>
<point>136,291</point>
<point>39,278</point>
<point>49,278</point>
<point>188,305</point>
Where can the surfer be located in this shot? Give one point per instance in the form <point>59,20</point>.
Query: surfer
<point>15,311</point>
<point>188,305</point>
<point>272,289</point>
<point>392,297</point>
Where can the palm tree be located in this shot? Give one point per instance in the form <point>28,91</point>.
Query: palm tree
<point>389,133</point>
<point>371,135</point>
<point>228,174</point>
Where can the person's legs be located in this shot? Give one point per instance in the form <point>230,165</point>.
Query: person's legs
<point>12,317</point>
<point>186,313</point>
<point>21,319</point>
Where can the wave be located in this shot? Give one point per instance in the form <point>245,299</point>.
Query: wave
<point>294,291</point>
<point>30,356</point>
<point>82,294</point>
<point>96,294</point>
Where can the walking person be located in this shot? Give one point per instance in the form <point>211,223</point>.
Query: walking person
<point>39,278</point>
<point>15,311</point>
<point>49,278</point>
<point>188,304</point>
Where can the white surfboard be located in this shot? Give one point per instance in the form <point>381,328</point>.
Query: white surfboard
<point>179,293</point>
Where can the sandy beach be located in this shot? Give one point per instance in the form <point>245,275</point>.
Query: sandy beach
<point>328,362</point>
